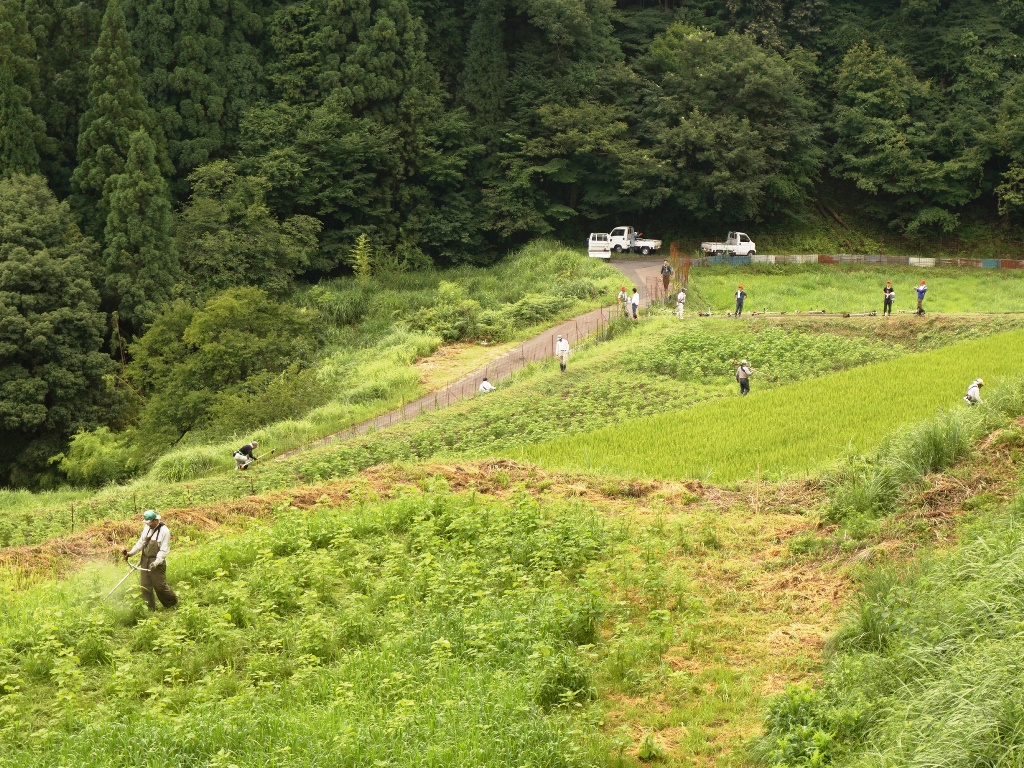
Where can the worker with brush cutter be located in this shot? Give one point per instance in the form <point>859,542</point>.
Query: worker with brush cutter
<point>154,544</point>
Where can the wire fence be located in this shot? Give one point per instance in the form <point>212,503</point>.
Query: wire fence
<point>678,257</point>
<point>590,328</point>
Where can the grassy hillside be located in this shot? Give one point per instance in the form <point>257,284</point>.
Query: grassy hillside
<point>790,430</point>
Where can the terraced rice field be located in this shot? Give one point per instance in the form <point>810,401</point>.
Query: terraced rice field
<point>788,430</point>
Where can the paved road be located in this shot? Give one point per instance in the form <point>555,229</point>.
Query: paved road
<point>539,347</point>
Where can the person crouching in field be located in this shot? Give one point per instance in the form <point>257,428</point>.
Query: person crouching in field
<point>486,386</point>
<point>743,371</point>
<point>246,455</point>
<point>973,396</point>
<point>888,294</point>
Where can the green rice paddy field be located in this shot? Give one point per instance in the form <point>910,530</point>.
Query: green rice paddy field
<point>789,430</point>
<point>856,288</point>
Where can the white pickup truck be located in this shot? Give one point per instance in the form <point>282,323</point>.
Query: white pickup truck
<point>601,244</point>
<point>737,243</point>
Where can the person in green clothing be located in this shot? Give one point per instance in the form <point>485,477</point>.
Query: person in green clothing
<point>154,544</point>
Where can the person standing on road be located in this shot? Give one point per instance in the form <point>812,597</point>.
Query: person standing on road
<point>154,544</point>
<point>888,294</point>
<point>680,302</point>
<point>973,396</point>
<point>743,371</point>
<point>624,301</point>
<point>740,296</point>
<point>921,290</point>
<point>562,352</point>
<point>632,241</point>
<point>486,386</point>
<point>666,275</point>
<point>634,302</point>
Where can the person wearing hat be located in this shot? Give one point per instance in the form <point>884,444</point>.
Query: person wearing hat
<point>666,275</point>
<point>154,544</point>
<point>921,290</point>
<point>743,372</point>
<point>246,455</point>
<point>888,294</point>
<point>562,352</point>
<point>624,301</point>
<point>680,302</point>
<point>973,396</point>
<point>740,296</point>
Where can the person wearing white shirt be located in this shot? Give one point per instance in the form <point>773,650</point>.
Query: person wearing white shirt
<point>486,386</point>
<point>562,352</point>
<point>973,396</point>
<point>680,302</point>
<point>634,302</point>
<point>154,544</point>
<point>743,372</point>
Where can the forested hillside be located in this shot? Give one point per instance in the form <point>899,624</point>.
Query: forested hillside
<point>164,162</point>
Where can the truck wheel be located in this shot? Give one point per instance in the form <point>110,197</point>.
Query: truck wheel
<point>617,248</point>
<point>645,251</point>
<point>752,253</point>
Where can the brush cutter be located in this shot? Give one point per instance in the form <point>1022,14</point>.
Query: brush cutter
<point>132,568</point>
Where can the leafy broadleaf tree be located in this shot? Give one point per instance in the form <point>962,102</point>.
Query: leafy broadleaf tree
<point>22,131</point>
<point>191,358</point>
<point>51,331</point>
<point>117,108</point>
<point>227,236</point>
<point>733,125</point>
<point>140,258</point>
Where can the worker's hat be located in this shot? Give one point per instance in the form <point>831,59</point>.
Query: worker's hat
<point>744,362</point>
<point>922,282</point>
<point>149,514</point>
<point>559,336</point>
<point>741,287</point>
<point>980,382</point>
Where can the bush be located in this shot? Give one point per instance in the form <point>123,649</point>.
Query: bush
<point>99,457</point>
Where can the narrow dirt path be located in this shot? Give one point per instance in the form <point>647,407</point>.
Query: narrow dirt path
<point>540,347</point>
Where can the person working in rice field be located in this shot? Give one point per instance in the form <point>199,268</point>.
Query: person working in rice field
<point>486,386</point>
<point>973,396</point>
<point>154,544</point>
<point>743,371</point>
<point>921,290</point>
<point>888,294</point>
<point>562,352</point>
<point>246,455</point>
<point>740,296</point>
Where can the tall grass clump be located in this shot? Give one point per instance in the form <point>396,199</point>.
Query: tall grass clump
<point>873,486</point>
<point>433,629</point>
<point>925,671</point>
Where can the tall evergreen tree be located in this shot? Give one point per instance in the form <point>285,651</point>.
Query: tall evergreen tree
<point>140,260</point>
<point>201,71</point>
<point>116,110</point>
<point>51,331</point>
<point>22,132</point>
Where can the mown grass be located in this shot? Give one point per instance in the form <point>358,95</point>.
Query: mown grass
<point>926,669</point>
<point>855,288</point>
<point>431,628</point>
<point>797,429</point>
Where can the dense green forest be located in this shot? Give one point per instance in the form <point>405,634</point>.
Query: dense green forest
<point>157,158</point>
